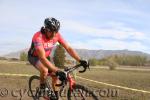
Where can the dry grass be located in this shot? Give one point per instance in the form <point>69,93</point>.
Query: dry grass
<point>133,79</point>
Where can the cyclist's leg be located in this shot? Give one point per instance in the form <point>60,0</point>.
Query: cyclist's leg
<point>40,67</point>
<point>55,81</point>
<point>43,72</point>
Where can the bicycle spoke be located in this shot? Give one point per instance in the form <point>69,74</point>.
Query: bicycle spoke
<point>81,94</point>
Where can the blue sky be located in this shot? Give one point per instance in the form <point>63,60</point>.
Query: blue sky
<point>89,24</point>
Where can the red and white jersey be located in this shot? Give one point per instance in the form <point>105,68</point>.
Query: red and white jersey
<point>39,40</point>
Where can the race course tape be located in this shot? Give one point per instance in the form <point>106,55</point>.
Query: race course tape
<point>122,87</point>
<point>8,74</point>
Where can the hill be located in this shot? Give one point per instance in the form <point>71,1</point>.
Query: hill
<point>15,54</point>
<point>87,54</point>
<point>99,54</point>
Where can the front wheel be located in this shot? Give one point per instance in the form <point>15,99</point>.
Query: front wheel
<point>80,92</point>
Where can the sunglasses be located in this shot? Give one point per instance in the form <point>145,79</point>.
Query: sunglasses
<point>50,30</point>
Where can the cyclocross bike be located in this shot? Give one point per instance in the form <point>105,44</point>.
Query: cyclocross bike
<point>74,91</point>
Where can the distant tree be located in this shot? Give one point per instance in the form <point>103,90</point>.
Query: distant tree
<point>111,62</point>
<point>23,56</point>
<point>129,60</point>
<point>14,59</point>
<point>102,62</point>
<point>59,56</point>
<point>93,62</point>
<point>3,58</point>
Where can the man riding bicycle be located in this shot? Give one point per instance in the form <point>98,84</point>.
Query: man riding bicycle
<point>41,47</point>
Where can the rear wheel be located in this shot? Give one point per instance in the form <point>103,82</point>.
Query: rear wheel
<point>80,92</point>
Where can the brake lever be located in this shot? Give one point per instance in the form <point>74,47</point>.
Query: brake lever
<point>81,71</point>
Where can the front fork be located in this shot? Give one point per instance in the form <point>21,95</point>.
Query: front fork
<point>71,82</point>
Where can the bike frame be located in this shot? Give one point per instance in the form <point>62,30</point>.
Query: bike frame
<point>71,81</point>
<point>69,76</point>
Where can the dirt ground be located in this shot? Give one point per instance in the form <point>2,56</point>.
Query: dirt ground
<point>14,88</point>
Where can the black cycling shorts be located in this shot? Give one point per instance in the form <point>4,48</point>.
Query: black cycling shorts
<point>34,59</point>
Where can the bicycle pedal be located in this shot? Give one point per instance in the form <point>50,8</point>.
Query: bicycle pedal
<point>43,92</point>
<point>52,96</point>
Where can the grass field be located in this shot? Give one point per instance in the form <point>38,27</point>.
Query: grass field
<point>132,79</point>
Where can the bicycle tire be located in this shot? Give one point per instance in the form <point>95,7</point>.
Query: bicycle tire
<point>36,97</point>
<point>31,79</point>
<point>83,89</point>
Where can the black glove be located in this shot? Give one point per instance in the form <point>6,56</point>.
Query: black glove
<point>61,75</point>
<point>84,63</point>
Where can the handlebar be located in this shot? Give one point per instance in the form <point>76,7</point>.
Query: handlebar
<point>85,68</point>
<point>69,70</point>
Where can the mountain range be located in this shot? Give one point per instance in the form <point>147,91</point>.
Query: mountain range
<point>87,54</point>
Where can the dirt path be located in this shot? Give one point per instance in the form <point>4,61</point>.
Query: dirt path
<point>14,88</point>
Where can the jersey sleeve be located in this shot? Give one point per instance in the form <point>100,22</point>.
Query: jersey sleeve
<point>38,43</point>
<point>61,39</point>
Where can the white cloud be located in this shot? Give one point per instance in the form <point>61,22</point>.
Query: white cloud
<point>117,44</point>
<point>108,31</point>
<point>80,45</point>
<point>112,30</point>
<point>109,44</point>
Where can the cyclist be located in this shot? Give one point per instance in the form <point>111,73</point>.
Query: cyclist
<point>41,47</point>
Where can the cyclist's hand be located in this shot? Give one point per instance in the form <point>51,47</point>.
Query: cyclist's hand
<point>61,75</point>
<point>84,63</point>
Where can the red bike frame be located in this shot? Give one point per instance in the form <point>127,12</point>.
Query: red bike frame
<point>71,81</point>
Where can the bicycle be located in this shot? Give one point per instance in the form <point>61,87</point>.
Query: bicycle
<point>74,91</point>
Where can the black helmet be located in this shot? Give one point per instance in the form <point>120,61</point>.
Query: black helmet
<point>52,24</point>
